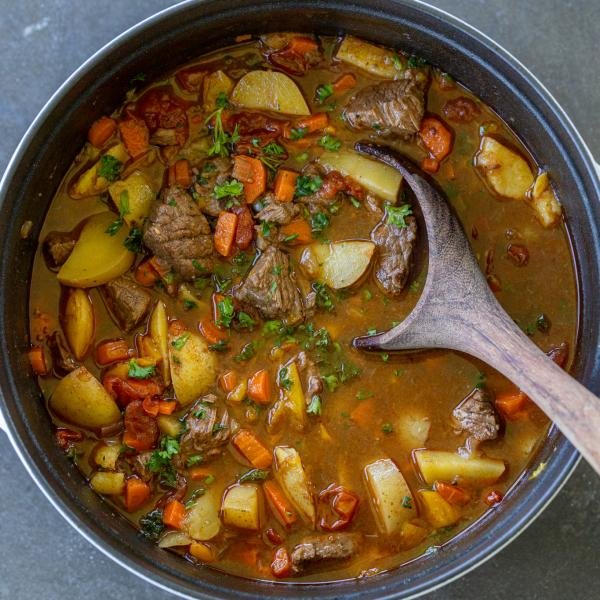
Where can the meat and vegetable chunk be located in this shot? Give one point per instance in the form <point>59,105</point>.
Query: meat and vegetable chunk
<point>477,416</point>
<point>179,235</point>
<point>388,107</point>
<point>127,302</point>
<point>316,548</point>
<point>57,248</point>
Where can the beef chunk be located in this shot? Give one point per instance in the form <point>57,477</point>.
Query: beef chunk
<point>388,107</point>
<point>179,234</point>
<point>396,246</point>
<point>315,548</point>
<point>271,287</point>
<point>207,431</point>
<point>477,416</point>
<point>127,302</point>
<point>139,465</point>
<point>63,361</point>
<point>461,110</point>
<point>332,186</point>
<point>277,212</point>
<point>57,247</point>
<point>312,376</point>
<point>212,172</point>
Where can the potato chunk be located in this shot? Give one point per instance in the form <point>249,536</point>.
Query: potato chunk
<point>506,172</point>
<point>339,264</point>
<point>270,90</point>
<point>159,333</point>
<point>111,484</point>
<point>373,59</point>
<point>544,201</point>
<point>390,497</point>
<point>90,182</point>
<point>138,195</point>
<point>436,510</point>
<point>202,520</point>
<point>81,399</point>
<point>78,322</point>
<point>97,256</point>
<point>381,180</point>
<point>241,507</point>
<point>215,84</point>
<point>106,456</point>
<point>448,466</point>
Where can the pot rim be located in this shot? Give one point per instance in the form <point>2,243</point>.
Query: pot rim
<point>524,520</point>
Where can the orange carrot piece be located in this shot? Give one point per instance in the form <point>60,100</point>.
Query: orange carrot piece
<point>512,405</point>
<point>344,83</point>
<point>436,137</point>
<point>159,267</point>
<point>135,136</point>
<point>279,504</point>
<point>145,274</point>
<point>101,130</point>
<point>180,173</point>
<point>452,493</point>
<point>225,233</point>
<point>285,185</point>
<point>38,361</point>
<point>199,473</point>
<point>211,332</point>
<point>174,514</point>
<point>111,351</point>
<point>301,45</point>
<point>297,232</point>
<point>253,450</point>
<point>137,492</point>
<point>166,407</point>
<point>252,173</point>
<point>430,165</point>
<point>259,387</point>
<point>362,414</point>
<point>313,123</point>
<point>150,406</point>
<point>133,441</point>
<point>228,381</point>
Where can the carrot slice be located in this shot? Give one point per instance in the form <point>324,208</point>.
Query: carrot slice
<point>225,233</point>
<point>252,173</point>
<point>297,232</point>
<point>199,473</point>
<point>181,173</point>
<point>436,137</point>
<point>211,332</point>
<point>145,274</point>
<point>301,45</point>
<point>150,406</point>
<point>111,351</point>
<point>344,83</point>
<point>38,361</point>
<point>362,414</point>
<point>430,165</point>
<point>167,407</point>
<point>259,387</point>
<point>253,450</point>
<point>101,130</point>
<point>285,185</point>
<point>452,493</point>
<point>137,492</point>
<point>279,504</point>
<point>309,124</point>
<point>135,136</point>
<point>512,405</point>
<point>174,514</point>
<point>228,381</point>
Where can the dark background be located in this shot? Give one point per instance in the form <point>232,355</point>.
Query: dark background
<point>41,43</point>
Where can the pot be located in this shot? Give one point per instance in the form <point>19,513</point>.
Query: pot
<point>177,35</point>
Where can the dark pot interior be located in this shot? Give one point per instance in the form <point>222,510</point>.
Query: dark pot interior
<point>180,34</point>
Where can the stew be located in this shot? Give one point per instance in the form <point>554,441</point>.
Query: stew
<point>203,269</point>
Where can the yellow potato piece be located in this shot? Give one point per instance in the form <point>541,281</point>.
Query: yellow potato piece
<point>139,194</point>
<point>373,59</point>
<point>169,425</point>
<point>381,180</point>
<point>436,510</point>
<point>81,399</point>
<point>78,322</point>
<point>89,183</point>
<point>506,172</point>
<point>214,84</point>
<point>106,456</point>
<point>241,507</point>
<point>97,256</point>
<point>547,207</point>
<point>270,90</point>
<point>291,476</point>
<point>111,484</point>
<point>448,466</point>
<point>391,499</point>
<point>193,366</point>
<point>202,520</point>
<point>159,333</point>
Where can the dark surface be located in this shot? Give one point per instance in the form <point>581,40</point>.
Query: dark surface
<point>41,555</point>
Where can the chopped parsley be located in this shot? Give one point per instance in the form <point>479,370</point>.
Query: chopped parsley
<point>331,382</point>
<point>330,143</point>
<point>193,460</point>
<point>323,92</point>
<point>222,101</point>
<point>218,427</point>
<point>114,227</point>
<point>228,189</point>
<point>245,320</point>
<point>222,141</point>
<point>265,228</point>
<point>354,202</point>
<point>414,286</point>
<point>314,408</point>
<point>416,62</point>
<point>363,395</point>
<point>160,460</point>
<point>323,299</point>
<point>319,221</point>
<point>274,149</point>
<point>480,382</point>
<point>297,133</point>
<point>136,371</point>
<point>303,157</point>
<point>220,346</point>
<point>198,266</point>
<point>307,185</point>
<point>396,215</point>
<point>246,353</point>
<point>284,381</point>
<point>179,342</point>
<point>109,167</point>
<point>290,238</point>
<point>387,428</point>
<point>133,242</point>
<point>397,62</point>
<point>226,312</point>
<point>254,475</point>
<point>407,502</point>
<point>151,525</point>
<point>372,331</point>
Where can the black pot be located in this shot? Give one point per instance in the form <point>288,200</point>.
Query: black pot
<point>175,36</point>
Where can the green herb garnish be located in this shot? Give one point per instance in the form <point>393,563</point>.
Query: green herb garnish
<point>109,167</point>
<point>307,185</point>
<point>136,371</point>
<point>330,143</point>
<point>396,215</point>
<point>179,342</point>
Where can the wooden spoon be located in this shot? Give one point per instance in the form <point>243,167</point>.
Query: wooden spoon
<point>457,310</point>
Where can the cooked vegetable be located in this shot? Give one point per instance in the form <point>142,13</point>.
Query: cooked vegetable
<point>106,456</point>
<point>202,521</point>
<point>259,387</point>
<point>216,85</point>
<point>79,322</point>
<point>174,514</point>
<point>252,173</point>
<point>109,483</point>
<point>285,185</point>
<point>338,264</point>
<point>413,429</point>
<point>97,178</point>
<point>169,425</point>
<point>436,510</point>
<point>225,233</point>
<point>436,137</point>
<point>159,333</point>
<point>269,90</point>
<point>296,233</point>
<point>139,193</point>
<point>112,351</point>
<point>544,201</point>
<point>448,466</point>
<point>374,59</point>
<point>101,131</point>
<point>506,172</point>
<point>292,478</point>
<point>391,499</point>
<point>97,256</point>
<point>80,398</point>
<point>381,180</point>
<point>252,449</point>
<point>137,493</point>
<point>280,506</point>
<point>241,506</point>
<point>193,366</point>
<point>172,539</point>
<point>292,396</point>
<point>135,136</point>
